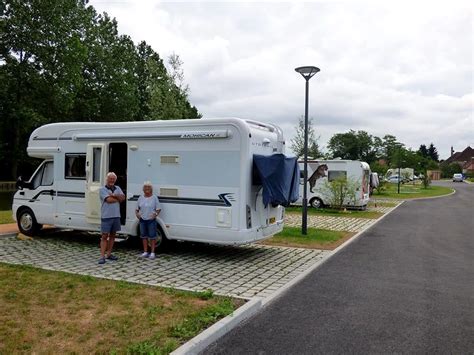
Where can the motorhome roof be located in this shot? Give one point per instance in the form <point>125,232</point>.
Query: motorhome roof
<point>60,129</point>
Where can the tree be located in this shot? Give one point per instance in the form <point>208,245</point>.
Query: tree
<point>448,170</point>
<point>297,142</point>
<point>355,146</point>
<point>390,146</point>
<point>433,152</point>
<point>341,192</point>
<point>62,61</point>
<point>423,151</point>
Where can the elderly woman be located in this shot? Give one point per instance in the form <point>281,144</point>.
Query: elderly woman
<point>148,208</point>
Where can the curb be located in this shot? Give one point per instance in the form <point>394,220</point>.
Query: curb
<point>219,329</point>
<point>225,325</point>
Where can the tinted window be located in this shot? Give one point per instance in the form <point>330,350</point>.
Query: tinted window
<point>336,174</point>
<point>75,166</point>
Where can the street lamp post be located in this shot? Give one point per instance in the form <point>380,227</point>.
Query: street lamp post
<point>307,72</point>
<point>399,163</point>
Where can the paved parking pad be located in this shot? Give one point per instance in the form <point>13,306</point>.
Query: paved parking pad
<point>244,271</point>
<point>381,209</point>
<point>348,224</point>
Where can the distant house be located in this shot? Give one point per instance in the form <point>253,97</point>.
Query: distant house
<point>465,159</point>
<point>468,167</point>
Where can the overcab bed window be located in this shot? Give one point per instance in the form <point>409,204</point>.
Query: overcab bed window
<point>75,166</point>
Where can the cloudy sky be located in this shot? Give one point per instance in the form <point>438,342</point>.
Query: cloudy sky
<point>394,68</point>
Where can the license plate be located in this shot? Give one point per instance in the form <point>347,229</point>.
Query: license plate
<point>272,220</point>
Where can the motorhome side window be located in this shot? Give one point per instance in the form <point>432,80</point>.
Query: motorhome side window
<point>96,156</point>
<point>75,166</point>
<point>44,177</point>
<point>336,174</point>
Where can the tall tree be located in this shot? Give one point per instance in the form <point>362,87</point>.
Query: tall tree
<point>355,146</point>
<point>423,151</point>
<point>62,61</point>
<point>433,152</point>
<point>297,142</point>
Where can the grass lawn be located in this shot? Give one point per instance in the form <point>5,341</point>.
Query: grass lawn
<point>336,213</point>
<point>408,191</point>
<point>315,239</point>
<point>51,312</point>
<point>6,217</point>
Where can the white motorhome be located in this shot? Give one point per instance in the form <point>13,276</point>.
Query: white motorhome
<point>405,173</point>
<point>320,172</point>
<point>201,170</point>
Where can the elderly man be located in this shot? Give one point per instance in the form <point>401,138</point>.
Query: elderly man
<point>111,196</point>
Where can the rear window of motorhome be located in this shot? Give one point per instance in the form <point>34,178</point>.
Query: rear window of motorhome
<point>75,166</point>
<point>336,174</point>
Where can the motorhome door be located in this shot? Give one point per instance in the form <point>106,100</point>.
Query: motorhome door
<point>95,179</point>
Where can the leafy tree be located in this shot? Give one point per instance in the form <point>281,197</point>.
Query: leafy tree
<point>448,170</point>
<point>433,152</point>
<point>62,61</point>
<point>341,192</point>
<point>390,146</point>
<point>297,142</point>
<point>355,146</point>
<point>423,151</point>
<point>177,73</point>
<point>378,168</point>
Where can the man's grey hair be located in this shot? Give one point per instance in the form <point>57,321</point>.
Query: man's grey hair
<point>111,174</point>
<point>148,183</point>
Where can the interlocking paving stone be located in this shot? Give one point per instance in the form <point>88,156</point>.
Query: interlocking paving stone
<point>348,224</point>
<point>244,271</point>
<point>382,209</point>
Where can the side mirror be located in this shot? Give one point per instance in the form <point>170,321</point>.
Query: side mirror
<point>19,183</point>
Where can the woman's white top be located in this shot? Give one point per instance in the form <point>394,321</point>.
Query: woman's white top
<point>147,206</point>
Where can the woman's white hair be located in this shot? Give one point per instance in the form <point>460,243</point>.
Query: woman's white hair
<point>148,183</point>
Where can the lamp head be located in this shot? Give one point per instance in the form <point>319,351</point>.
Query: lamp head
<point>307,72</point>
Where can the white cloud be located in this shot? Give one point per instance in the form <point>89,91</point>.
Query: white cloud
<point>401,68</point>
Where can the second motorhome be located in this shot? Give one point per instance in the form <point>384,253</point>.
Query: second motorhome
<point>201,169</point>
<point>321,172</point>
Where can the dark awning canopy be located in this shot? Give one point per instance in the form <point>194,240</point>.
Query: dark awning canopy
<point>279,176</point>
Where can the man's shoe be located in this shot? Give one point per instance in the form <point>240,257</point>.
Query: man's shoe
<point>112,257</point>
<point>145,255</point>
<point>152,256</point>
<point>102,261</point>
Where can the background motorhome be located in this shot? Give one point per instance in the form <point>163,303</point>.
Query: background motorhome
<point>201,171</point>
<point>406,174</point>
<point>320,172</point>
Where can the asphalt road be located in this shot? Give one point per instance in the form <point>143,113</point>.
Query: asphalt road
<point>405,286</point>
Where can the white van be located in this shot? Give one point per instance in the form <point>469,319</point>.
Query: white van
<point>201,170</point>
<point>320,172</point>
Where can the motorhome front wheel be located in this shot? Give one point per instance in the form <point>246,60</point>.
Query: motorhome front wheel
<point>27,222</point>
